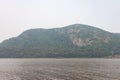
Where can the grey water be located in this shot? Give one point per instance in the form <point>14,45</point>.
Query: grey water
<point>59,69</point>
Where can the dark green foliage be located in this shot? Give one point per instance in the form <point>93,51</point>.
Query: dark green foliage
<point>57,43</point>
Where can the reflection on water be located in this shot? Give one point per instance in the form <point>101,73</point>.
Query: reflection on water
<point>59,69</point>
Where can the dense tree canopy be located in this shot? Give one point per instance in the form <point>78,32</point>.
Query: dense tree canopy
<point>76,40</point>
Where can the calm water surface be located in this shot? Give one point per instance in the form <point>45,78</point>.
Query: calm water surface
<point>59,69</point>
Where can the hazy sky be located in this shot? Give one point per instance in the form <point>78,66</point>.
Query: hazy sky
<point>19,15</point>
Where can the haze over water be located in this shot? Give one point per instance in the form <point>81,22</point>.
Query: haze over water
<point>59,69</point>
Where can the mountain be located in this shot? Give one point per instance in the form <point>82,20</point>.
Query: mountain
<point>75,40</point>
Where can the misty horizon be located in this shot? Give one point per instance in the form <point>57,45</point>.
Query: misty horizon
<point>20,15</point>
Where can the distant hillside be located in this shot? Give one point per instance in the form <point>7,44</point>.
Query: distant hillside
<point>75,40</point>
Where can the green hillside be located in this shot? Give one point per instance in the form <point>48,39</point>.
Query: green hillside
<point>75,40</point>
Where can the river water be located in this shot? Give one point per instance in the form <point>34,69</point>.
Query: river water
<point>59,69</point>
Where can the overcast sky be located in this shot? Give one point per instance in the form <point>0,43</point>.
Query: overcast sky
<point>17,16</point>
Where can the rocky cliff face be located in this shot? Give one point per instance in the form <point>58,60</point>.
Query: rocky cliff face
<point>75,40</point>
<point>83,35</point>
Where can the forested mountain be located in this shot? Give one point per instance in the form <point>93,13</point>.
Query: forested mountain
<point>75,40</point>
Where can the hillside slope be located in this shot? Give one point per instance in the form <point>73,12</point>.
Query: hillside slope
<point>75,40</point>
